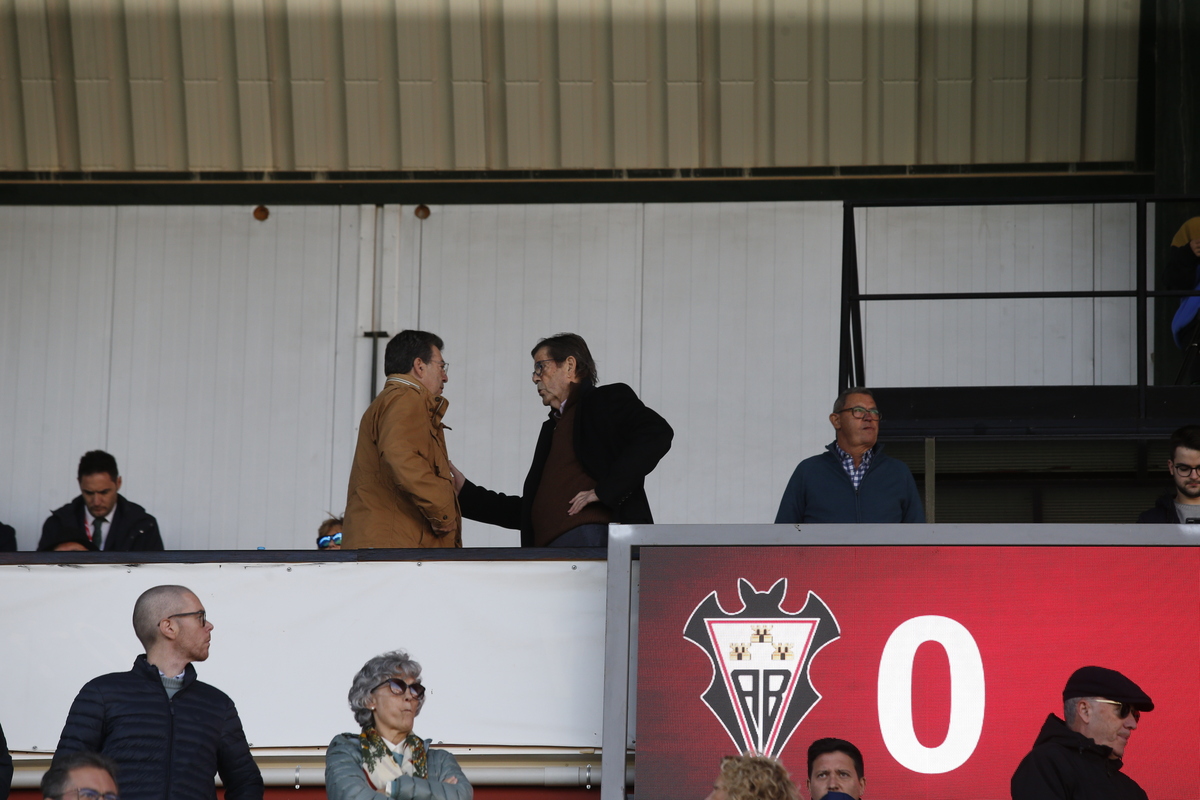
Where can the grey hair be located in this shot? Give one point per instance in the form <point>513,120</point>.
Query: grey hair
<point>840,403</point>
<point>1070,709</point>
<point>55,779</point>
<point>152,607</point>
<point>375,672</point>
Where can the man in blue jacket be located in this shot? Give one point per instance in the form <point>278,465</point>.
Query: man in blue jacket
<point>169,733</point>
<point>853,481</point>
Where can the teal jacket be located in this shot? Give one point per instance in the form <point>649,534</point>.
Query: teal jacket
<point>345,779</point>
<point>821,491</point>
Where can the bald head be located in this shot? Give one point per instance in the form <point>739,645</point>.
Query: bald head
<point>155,605</point>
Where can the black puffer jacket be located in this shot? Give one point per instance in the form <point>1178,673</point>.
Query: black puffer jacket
<point>1065,765</point>
<point>165,749</point>
<point>132,528</point>
<point>6,767</point>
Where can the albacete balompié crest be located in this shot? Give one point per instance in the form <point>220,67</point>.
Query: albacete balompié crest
<point>760,655</point>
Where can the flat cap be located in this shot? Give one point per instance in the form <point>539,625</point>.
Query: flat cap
<point>1107,683</point>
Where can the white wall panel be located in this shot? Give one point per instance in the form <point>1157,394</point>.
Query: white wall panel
<point>740,350</point>
<point>517,619</point>
<point>224,370</point>
<point>197,345</point>
<point>494,280</point>
<point>997,249</point>
<point>56,298</point>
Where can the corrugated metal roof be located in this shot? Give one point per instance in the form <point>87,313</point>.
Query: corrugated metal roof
<point>283,85</point>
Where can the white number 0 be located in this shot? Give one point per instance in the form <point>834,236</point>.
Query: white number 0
<point>966,694</point>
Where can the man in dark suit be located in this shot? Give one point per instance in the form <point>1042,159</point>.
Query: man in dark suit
<point>99,518</point>
<point>591,461</point>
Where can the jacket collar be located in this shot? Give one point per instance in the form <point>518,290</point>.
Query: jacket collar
<point>832,449</point>
<point>141,666</point>
<point>436,404</point>
<point>579,391</point>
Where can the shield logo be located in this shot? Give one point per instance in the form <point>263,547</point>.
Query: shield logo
<point>760,656</point>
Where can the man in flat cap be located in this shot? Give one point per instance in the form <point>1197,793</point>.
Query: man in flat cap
<point>1080,757</point>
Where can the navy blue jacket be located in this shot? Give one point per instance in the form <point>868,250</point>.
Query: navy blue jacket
<point>165,749</point>
<point>618,442</point>
<point>821,491</point>
<point>132,529</point>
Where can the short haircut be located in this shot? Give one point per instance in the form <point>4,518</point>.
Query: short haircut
<point>54,782</point>
<point>407,346</point>
<point>375,672</point>
<point>1188,436</point>
<point>152,607</point>
<point>328,525</point>
<point>831,745</point>
<point>751,777</point>
<point>95,461</point>
<point>1071,709</point>
<point>840,403</point>
<point>564,345</point>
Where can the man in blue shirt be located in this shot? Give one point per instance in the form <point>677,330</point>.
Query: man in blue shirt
<point>852,481</point>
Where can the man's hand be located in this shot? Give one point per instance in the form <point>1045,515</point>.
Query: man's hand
<point>1195,243</point>
<point>580,500</point>
<point>451,779</point>
<point>459,478</point>
<point>444,528</point>
<point>72,546</point>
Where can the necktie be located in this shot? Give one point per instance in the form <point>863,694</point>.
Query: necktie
<point>96,523</point>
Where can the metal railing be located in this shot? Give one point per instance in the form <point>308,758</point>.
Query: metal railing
<point>852,371</point>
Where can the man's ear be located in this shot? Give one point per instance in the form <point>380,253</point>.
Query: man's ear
<point>166,629</point>
<point>836,421</point>
<point>118,482</point>
<point>1083,710</point>
<point>569,365</point>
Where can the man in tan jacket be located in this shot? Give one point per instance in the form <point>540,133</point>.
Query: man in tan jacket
<point>401,491</point>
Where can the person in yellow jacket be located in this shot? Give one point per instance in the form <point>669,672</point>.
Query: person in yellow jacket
<point>401,491</point>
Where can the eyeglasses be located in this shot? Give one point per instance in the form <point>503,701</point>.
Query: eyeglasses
<point>326,541</point>
<point>1123,710</point>
<point>90,794</point>
<point>199,615</point>
<point>861,413</point>
<point>445,365</point>
<point>399,687</point>
<point>540,366</point>
<point>1184,470</point>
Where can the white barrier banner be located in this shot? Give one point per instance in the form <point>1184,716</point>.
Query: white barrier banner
<point>512,651</point>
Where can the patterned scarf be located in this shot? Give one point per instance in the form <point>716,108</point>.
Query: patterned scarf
<point>384,765</point>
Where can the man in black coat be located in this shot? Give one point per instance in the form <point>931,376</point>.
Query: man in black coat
<point>591,461</point>
<point>1184,466</point>
<point>169,733</point>
<point>1080,757</point>
<point>99,518</point>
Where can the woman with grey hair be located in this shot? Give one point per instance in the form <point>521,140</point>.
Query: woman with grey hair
<point>387,757</point>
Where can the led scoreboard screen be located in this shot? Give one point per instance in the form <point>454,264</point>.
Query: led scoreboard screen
<point>940,663</point>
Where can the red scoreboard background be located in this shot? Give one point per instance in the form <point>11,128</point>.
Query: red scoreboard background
<point>939,663</point>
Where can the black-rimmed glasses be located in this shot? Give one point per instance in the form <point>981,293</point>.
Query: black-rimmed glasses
<point>858,412</point>
<point>201,616</point>
<point>540,366</point>
<point>399,687</point>
<point>89,794</point>
<point>1184,470</point>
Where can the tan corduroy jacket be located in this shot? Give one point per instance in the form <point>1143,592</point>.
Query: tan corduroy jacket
<point>400,481</point>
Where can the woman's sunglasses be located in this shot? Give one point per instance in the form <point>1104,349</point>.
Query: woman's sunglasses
<point>398,686</point>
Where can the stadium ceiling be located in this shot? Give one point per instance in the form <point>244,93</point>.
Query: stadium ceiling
<point>379,86</point>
